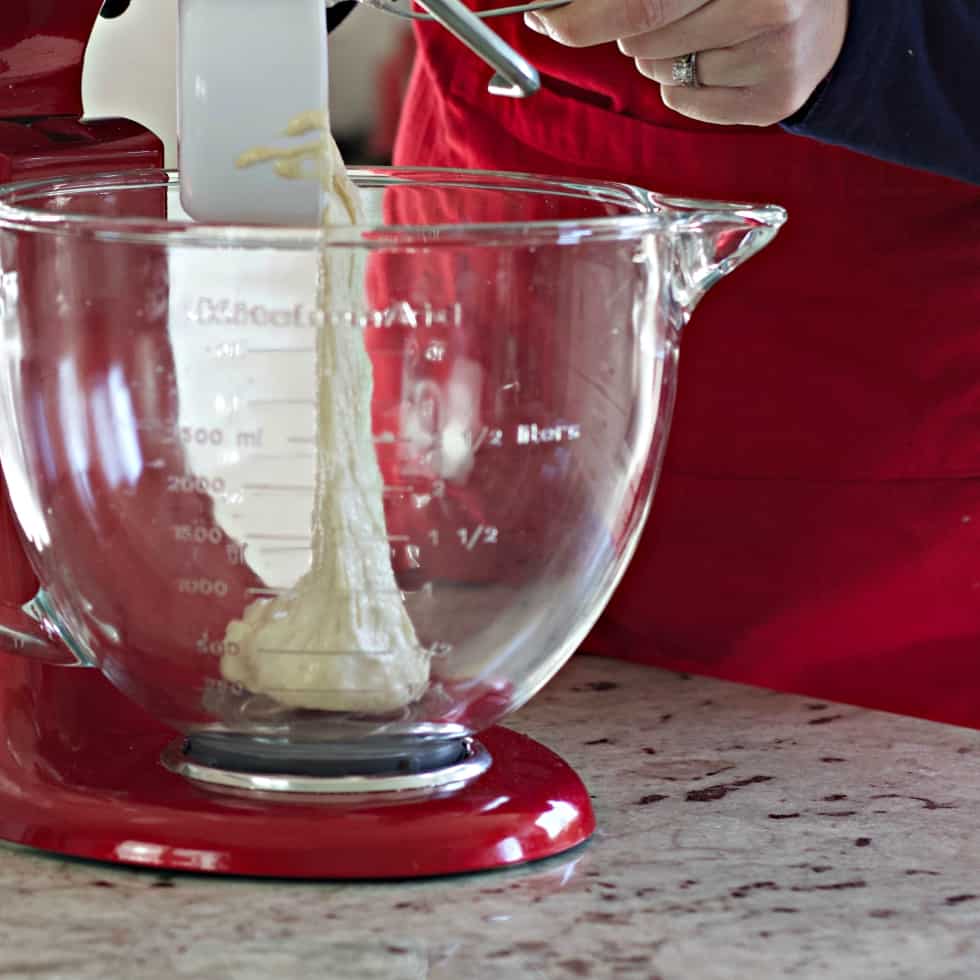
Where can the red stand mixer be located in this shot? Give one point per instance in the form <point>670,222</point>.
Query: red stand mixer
<point>516,485</point>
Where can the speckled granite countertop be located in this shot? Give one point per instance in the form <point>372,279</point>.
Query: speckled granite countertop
<point>743,835</point>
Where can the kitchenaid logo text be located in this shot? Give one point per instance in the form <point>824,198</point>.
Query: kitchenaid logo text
<point>223,312</point>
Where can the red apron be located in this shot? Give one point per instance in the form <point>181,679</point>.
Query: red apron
<point>817,525</point>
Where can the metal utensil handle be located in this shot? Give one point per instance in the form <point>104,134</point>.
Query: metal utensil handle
<point>515,76</point>
<point>392,7</point>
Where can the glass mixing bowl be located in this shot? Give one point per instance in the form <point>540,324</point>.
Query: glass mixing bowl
<point>163,447</point>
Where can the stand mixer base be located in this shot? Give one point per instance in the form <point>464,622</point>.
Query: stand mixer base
<point>111,798</point>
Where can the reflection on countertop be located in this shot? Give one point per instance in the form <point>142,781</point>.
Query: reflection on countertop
<point>743,834</point>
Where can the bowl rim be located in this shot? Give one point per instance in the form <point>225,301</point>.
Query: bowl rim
<point>644,212</point>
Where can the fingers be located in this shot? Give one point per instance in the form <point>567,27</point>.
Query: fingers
<point>721,106</point>
<point>738,86</point>
<point>750,63</point>
<point>583,23</point>
<point>758,61</point>
<point>715,25</point>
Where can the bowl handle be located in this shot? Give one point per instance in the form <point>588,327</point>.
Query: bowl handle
<point>27,631</point>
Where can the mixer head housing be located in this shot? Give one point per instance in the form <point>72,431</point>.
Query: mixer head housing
<point>42,49</point>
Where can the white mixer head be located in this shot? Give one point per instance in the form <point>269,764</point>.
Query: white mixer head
<point>245,70</point>
<point>248,67</point>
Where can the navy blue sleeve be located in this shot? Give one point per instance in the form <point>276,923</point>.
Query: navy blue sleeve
<point>906,87</point>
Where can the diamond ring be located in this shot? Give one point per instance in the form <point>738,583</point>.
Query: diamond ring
<point>684,71</point>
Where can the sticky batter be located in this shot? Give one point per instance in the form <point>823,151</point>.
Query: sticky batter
<point>340,639</point>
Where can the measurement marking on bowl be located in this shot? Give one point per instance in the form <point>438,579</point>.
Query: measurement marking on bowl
<point>308,488</point>
<point>277,457</point>
<point>391,538</point>
<point>481,439</point>
<point>271,402</point>
<point>390,439</point>
<point>481,534</point>
<point>269,592</point>
<point>263,536</point>
<point>292,652</point>
<point>278,487</point>
<point>305,539</point>
<point>282,350</point>
<point>372,692</point>
<point>383,439</point>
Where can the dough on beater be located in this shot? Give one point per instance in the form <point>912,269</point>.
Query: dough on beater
<point>341,638</point>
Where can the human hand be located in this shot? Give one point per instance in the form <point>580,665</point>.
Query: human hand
<point>757,61</point>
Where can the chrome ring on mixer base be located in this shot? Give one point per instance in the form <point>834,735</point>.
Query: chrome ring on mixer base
<point>475,760</point>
